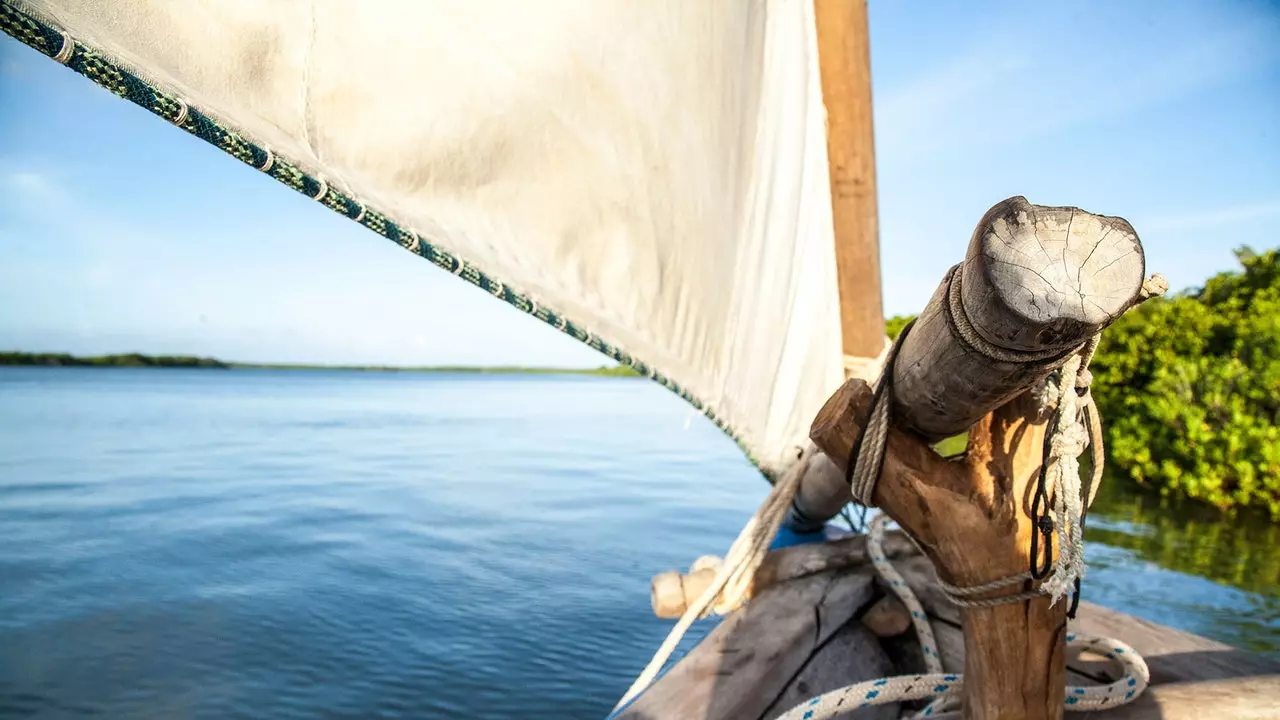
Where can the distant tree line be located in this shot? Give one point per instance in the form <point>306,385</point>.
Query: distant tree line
<point>1189,389</point>
<point>185,361</point>
<point>127,360</point>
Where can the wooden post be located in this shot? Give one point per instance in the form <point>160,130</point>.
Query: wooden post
<point>844,60</point>
<point>1036,280</point>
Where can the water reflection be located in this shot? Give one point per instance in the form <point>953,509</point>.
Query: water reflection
<point>1240,551</point>
<point>1169,562</point>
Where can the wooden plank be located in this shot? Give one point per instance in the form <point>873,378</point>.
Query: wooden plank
<point>1250,698</point>
<point>850,552</point>
<point>742,666</point>
<point>1172,655</point>
<point>844,60</point>
<point>850,656</point>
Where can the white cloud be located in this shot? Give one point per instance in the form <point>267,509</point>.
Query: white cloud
<point>27,181</point>
<point>30,189</point>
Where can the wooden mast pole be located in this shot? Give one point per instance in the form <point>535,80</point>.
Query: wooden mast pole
<point>844,62</point>
<point>844,59</point>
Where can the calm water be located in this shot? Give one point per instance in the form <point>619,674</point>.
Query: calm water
<point>326,544</point>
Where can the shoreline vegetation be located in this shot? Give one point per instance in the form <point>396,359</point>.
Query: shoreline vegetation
<point>138,360</point>
<point>1188,386</point>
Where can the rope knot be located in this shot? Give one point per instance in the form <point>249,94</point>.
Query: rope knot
<point>1084,379</point>
<point>1154,286</point>
<point>1070,440</point>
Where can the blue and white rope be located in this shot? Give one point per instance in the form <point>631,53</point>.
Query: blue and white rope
<point>943,686</point>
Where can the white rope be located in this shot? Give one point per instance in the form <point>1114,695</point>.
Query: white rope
<point>866,467</point>
<point>944,686</point>
<point>732,582</point>
<point>1063,480</point>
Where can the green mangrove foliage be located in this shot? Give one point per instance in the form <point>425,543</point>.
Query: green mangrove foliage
<point>1189,387</point>
<point>893,326</point>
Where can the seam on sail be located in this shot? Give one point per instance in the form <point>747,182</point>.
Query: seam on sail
<point>41,35</point>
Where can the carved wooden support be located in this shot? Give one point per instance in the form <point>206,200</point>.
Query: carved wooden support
<point>1037,284</point>
<point>971,517</point>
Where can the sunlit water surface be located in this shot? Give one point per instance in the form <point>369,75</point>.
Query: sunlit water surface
<point>299,544</point>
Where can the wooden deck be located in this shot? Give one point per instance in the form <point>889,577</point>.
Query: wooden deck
<point>805,636</point>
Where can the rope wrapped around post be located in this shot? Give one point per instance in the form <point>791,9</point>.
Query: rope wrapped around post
<point>1037,286</point>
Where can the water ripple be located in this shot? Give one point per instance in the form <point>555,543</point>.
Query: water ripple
<point>300,545</point>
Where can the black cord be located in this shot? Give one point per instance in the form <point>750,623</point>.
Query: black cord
<point>1041,518</point>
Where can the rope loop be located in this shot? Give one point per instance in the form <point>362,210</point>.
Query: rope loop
<point>67,49</point>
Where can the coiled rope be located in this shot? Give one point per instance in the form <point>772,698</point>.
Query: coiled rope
<point>943,686</point>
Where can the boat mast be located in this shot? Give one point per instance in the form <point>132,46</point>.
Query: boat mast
<point>844,58</point>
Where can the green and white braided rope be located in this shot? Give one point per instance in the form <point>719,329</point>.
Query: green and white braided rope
<point>943,686</point>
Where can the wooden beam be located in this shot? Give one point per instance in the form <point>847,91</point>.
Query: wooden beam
<point>1034,279</point>
<point>844,58</point>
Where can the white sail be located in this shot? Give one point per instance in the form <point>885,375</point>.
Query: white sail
<point>655,171</point>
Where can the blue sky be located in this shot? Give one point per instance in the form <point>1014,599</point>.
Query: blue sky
<point>120,233</point>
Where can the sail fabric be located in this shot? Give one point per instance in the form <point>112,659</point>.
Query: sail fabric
<point>654,170</point>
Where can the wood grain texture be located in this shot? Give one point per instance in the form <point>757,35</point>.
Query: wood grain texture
<point>800,560</point>
<point>1192,677</point>
<point>1172,655</point>
<point>1034,278</point>
<point>740,668</point>
<point>844,60</point>
<point>850,656</point>
<point>1248,698</point>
